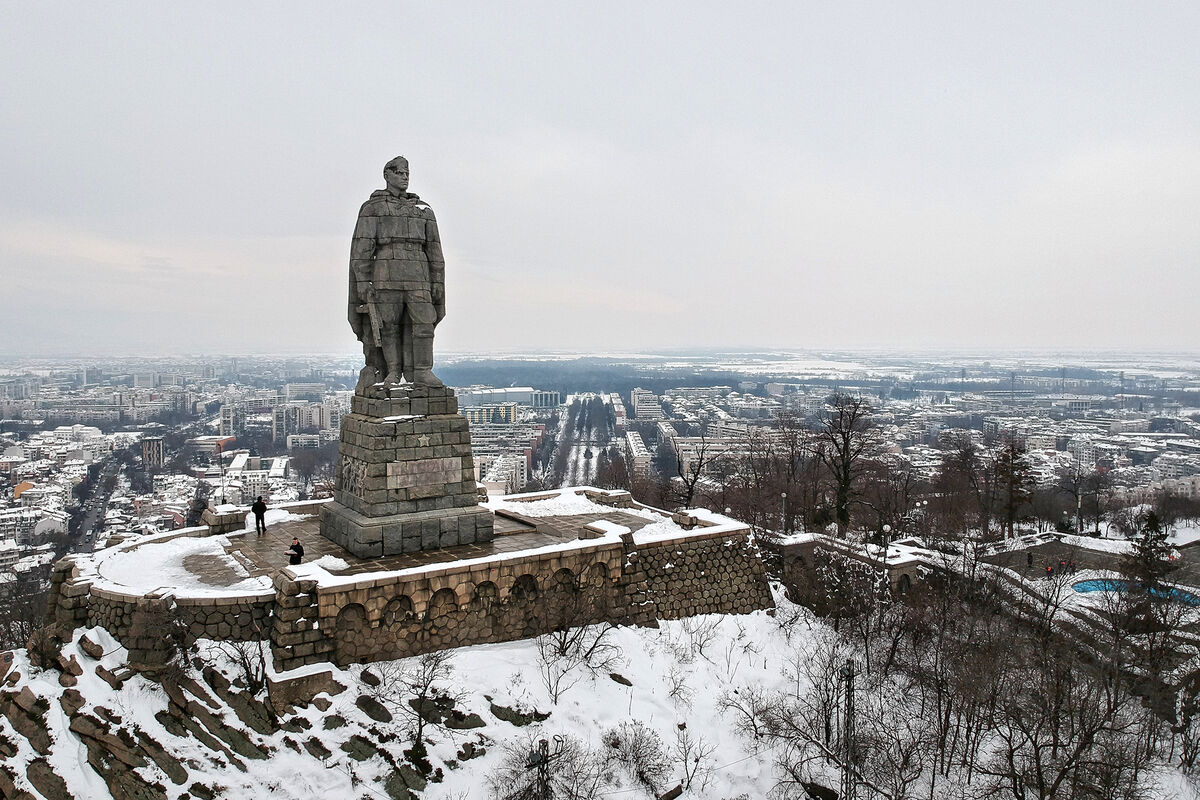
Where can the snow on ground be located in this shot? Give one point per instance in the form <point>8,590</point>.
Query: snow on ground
<point>678,672</point>
<point>139,704</point>
<point>153,564</point>
<point>332,563</point>
<point>1179,536</point>
<point>560,503</point>
<point>580,469</point>
<point>274,515</point>
<point>1183,535</point>
<point>1117,546</point>
<point>739,651</point>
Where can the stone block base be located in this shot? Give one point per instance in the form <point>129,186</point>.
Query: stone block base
<point>405,450</point>
<point>371,537</point>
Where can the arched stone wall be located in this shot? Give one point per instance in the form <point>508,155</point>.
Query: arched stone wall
<point>398,612</point>
<point>524,589</point>
<point>563,580</point>
<point>485,597</point>
<point>451,605</point>
<point>595,576</point>
<point>350,634</point>
<point>443,603</point>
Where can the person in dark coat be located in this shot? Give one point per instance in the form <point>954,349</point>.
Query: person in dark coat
<point>295,552</point>
<point>260,515</point>
<point>1029,560</point>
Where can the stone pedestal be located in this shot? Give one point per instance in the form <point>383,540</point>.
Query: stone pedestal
<point>406,477</point>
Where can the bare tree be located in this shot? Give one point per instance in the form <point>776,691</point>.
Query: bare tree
<point>637,751</point>
<point>689,475</point>
<point>249,659</point>
<point>694,756</point>
<point>576,772</point>
<point>964,490</point>
<point>418,689</point>
<point>567,655</point>
<point>845,443</point>
<point>1055,723</point>
<point>22,613</point>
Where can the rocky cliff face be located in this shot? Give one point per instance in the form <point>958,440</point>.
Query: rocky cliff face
<point>84,725</point>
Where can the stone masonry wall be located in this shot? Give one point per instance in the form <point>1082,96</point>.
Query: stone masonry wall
<point>235,618</point>
<point>405,475</point>
<point>801,575</point>
<point>447,605</point>
<point>242,619</point>
<point>709,574</point>
<point>67,605</point>
<point>506,599</point>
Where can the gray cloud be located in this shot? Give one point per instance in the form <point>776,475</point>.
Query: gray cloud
<point>612,177</point>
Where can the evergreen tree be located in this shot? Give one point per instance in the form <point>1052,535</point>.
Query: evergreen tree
<point>1150,562</point>
<point>1014,478</point>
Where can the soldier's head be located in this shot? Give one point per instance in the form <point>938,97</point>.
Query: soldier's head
<point>395,173</point>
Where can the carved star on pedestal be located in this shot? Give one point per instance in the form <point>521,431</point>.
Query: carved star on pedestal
<point>423,441</point>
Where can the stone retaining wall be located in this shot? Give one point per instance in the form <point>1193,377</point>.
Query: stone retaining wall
<point>241,619</point>
<point>149,625</point>
<point>713,574</point>
<point>386,616</point>
<point>512,598</point>
<point>802,581</point>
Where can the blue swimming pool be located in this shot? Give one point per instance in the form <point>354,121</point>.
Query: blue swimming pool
<point>1118,585</point>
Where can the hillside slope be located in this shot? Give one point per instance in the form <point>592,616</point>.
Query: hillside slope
<point>202,734</point>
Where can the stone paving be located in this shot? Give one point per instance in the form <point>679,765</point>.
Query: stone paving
<point>263,555</point>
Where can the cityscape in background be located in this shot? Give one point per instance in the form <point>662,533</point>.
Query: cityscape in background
<point>94,450</point>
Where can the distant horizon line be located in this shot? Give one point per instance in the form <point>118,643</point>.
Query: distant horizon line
<point>665,352</point>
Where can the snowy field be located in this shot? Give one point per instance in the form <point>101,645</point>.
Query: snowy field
<point>671,681</point>
<point>677,673</point>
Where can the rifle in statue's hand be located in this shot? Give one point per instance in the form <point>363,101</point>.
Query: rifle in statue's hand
<point>369,308</point>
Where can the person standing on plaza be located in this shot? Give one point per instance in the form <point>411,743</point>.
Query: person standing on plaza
<point>295,552</point>
<point>260,515</point>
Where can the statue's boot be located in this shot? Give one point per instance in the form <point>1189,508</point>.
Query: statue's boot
<point>423,356</point>
<point>392,355</point>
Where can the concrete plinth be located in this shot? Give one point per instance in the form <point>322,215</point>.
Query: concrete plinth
<point>372,537</point>
<point>406,476</point>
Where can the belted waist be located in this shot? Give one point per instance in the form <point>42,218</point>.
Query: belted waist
<point>405,249</point>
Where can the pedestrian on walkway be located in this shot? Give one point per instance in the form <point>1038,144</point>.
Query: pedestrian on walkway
<point>260,515</point>
<point>1049,571</point>
<point>1029,560</point>
<point>295,552</point>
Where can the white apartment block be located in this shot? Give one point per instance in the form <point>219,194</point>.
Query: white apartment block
<point>646,405</point>
<point>521,395</point>
<point>618,407</point>
<point>639,456</point>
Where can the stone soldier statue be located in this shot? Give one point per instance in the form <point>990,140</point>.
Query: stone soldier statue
<point>397,283</point>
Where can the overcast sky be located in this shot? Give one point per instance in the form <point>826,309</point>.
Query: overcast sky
<point>606,176</point>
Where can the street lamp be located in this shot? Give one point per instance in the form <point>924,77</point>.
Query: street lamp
<point>783,513</point>
<point>883,578</point>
